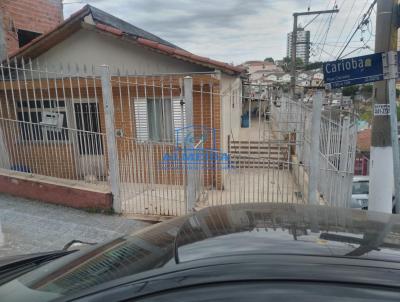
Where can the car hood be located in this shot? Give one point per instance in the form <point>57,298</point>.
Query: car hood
<point>223,231</point>
<point>289,229</point>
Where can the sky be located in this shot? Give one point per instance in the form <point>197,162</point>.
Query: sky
<point>235,31</point>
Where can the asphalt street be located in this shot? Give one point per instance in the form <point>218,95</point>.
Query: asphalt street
<point>31,226</point>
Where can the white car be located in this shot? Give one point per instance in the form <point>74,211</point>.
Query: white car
<point>360,192</point>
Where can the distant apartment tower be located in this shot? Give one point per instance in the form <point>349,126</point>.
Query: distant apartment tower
<point>303,45</point>
<point>23,20</point>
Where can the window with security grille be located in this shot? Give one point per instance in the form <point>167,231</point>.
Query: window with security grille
<point>158,119</point>
<point>42,120</point>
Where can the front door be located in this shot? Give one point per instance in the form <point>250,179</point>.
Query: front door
<point>90,143</point>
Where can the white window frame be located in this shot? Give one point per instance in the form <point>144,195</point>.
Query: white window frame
<point>141,116</point>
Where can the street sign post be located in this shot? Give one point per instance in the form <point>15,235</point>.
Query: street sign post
<point>391,63</point>
<point>358,70</point>
<point>366,69</point>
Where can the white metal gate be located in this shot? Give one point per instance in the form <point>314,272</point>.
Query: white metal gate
<point>270,161</point>
<point>165,145</point>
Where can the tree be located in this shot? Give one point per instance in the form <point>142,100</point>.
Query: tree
<point>350,90</point>
<point>269,59</point>
<point>366,89</point>
<point>367,115</point>
<point>299,62</point>
<point>314,65</point>
<point>288,62</point>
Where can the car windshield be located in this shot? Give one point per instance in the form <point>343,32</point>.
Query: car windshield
<point>361,187</point>
<point>220,232</point>
<point>131,147</point>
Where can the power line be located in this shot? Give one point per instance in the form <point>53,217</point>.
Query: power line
<point>354,50</point>
<point>330,21</point>
<point>323,34</point>
<point>320,29</point>
<point>362,23</point>
<point>357,21</point>
<point>346,20</point>
<point>332,18</point>
<point>312,20</point>
<point>326,35</point>
<point>326,52</point>
<point>336,44</point>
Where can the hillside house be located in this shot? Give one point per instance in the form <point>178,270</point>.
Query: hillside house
<point>56,79</point>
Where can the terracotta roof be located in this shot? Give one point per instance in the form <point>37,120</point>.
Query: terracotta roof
<point>185,55</point>
<point>121,29</point>
<point>364,140</point>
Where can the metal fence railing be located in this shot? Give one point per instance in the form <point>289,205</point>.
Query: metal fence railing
<point>165,144</point>
<point>337,142</point>
<point>51,123</point>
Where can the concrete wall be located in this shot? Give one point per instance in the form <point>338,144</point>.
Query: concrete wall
<point>54,192</point>
<point>87,47</point>
<point>231,108</point>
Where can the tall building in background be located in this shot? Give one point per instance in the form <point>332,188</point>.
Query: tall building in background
<point>303,45</point>
<point>398,39</point>
<point>22,21</point>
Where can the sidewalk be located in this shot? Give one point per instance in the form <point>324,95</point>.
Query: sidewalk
<point>30,226</point>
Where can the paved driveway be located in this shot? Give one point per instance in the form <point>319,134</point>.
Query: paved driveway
<point>30,226</point>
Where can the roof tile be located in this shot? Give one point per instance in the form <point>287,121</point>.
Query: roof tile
<point>157,44</point>
<point>109,29</point>
<point>166,48</point>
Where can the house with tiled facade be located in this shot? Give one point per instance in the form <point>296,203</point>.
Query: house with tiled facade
<point>146,75</point>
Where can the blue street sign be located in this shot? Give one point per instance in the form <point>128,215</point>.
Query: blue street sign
<point>352,71</point>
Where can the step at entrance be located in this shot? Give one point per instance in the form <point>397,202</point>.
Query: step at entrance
<point>259,154</point>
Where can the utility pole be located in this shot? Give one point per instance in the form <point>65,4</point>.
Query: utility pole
<point>293,52</point>
<point>381,153</point>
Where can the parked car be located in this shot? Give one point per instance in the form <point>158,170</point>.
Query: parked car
<point>360,192</point>
<point>250,252</point>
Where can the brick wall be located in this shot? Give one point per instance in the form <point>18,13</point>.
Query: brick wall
<point>33,15</point>
<point>50,159</point>
<point>61,159</point>
<point>56,193</point>
<point>206,110</point>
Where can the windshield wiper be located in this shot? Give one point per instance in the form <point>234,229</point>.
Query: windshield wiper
<point>77,242</point>
<point>17,268</point>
